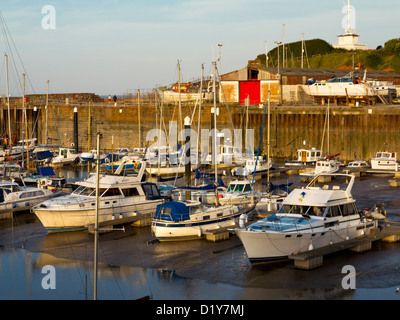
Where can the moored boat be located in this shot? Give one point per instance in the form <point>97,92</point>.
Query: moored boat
<point>385,160</point>
<point>251,165</point>
<point>306,157</point>
<point>15,198</point>
<point>188,220</point>
<point>310,218</point>
<point>121,196</point>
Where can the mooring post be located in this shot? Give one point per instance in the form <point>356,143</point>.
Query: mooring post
<point>76,129</point>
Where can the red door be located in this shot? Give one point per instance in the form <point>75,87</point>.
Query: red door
<point>250,89</point>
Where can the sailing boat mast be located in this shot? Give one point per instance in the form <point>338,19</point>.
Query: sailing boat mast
<point>8,106</point>
<point>96,225</point>
<point>47,106</point>
<point>179,93</point>
<point>198,124</point>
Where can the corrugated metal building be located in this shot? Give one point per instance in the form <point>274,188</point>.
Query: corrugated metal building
<point>254,82</point>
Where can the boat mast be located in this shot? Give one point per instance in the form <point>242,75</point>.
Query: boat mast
<point>47,106</point>
<point>140,139</point>
<point>8,108</point>
<point>214,138</point>
<point>180,104</point>
<point>201,96</point>
<point>96,225</point>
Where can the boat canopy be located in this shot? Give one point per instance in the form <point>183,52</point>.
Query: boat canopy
<point>172,211</point>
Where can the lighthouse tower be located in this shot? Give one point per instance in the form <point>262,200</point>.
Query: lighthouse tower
<point>349,40</point>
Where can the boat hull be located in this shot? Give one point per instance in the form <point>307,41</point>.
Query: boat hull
<point>379,164</point>
<point>190,230</point>
<point>273,246</point>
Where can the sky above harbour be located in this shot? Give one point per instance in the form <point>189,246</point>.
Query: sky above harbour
<point>119,46</point>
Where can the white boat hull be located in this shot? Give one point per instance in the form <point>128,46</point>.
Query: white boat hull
<point>269,246</point>
<point>189,230</point>
<point>379,164</point>
<point>339,90</point>
<point>170,170</point>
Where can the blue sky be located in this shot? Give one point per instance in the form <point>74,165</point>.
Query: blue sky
<point>111,46</point>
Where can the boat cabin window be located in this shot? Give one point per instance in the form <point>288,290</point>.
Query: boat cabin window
<point>310,210</point>
<point>11,188</point>
<point>130,192</point>
<point>31,194</point>
<point>111,192</point>
<point>151,191</point>
<point>165,214</point>
<point>85,191</point>
<point>239,188</point>
<point>343,210</point>
<point>333,212</point>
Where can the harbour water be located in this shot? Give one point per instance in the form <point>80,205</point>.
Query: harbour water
<point>132,266</point>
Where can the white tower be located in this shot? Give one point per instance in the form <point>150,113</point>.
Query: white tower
<point>349,40</point>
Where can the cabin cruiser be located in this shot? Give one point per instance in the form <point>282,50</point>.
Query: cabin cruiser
<point>227,154</point>
<point>187,220</point>
<point>251,165</point>
<point>238,191</point>
<point>310,218</point>
<point>322,166</point>
<point>306,157</point>
<point>15,198</point>
<point>357,164</point>
<point>385,160</point>
<point>120,196</point>
<point>65,156</point>
<point>16,152</point>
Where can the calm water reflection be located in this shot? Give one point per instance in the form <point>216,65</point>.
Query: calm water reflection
<point>207,275</point>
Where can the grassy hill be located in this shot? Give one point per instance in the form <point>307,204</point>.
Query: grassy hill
<point>320,54</point>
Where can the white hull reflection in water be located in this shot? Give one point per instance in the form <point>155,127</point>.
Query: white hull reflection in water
<point>21,279</point>
<point>22,273</point>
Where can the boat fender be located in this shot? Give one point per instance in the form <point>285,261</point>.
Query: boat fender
<point>27,204</point>
<point>200,232</point>
<point>243,220</point>
<point>14,205</point>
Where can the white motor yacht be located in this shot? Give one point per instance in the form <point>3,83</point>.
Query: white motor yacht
<point>251,165</point>
<point>120,196</point>
<point>310,218</point>
<point>322,166</point>
<point>15,198</point>
<point>385,160</point>
<point>65,156</point>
